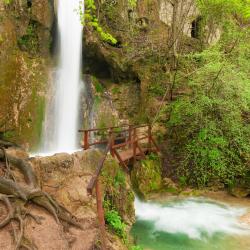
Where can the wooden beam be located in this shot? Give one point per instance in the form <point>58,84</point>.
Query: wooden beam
<point>141,151</point>
<point>100,213</point>
<point>94,178</point>
<point>120,159</point>
<point>86,140</point>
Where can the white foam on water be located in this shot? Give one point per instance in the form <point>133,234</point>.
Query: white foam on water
<point>194,217</point>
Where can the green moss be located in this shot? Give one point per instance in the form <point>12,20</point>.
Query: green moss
<point>29,42</point>
<point>171,190</point>
<point>1,39</point>
<point>98,87</point>
<point>9,135</point>
<point>118,195</point>
<point>106,119</point>
<point>38,123</point>
<point>146,175</point>
<point>7,1</point>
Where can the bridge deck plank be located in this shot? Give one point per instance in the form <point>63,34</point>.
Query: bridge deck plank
<point>128,153</point>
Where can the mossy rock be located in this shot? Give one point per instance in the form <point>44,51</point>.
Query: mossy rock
<point>118,194</point>
<point>24,66</point>
<point>146,175</point>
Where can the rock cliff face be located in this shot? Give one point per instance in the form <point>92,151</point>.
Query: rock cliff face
<point>136,69</point>
<point>133,72</point>
<point>25,43</point>
<point>140,63</point>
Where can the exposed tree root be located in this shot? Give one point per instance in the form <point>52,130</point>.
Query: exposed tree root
<point>15,196</point>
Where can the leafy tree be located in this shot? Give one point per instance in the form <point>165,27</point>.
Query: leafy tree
<point>209,126</point>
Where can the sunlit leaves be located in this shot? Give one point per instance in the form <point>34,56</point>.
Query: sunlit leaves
<point>87,12</point>
<point>222,8</point>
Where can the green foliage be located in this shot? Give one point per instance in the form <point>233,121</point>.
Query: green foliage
<point>29,41</point>
<point>210,126</point>
<point>88,17</point>
<point>156,89</point>
<point>132,3</point>
<point>120,179</point>
<point>182,181</point>
<point>113,219</point>
<point>1,39</point>
<point>105,118</point>
<point>8,135</point>
<point>116,179</point>
<point>225,16</point>
<point>136,248</point>
<point>223,9</point>
<point>153,157</point>
<point>7,1</point>
<point>152,171</point>
<point>147,177</point>
<point>118,197</point>
<point>115,90</point>
<point>98,86</point>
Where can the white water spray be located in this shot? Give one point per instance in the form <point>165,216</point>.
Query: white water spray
<point>61,121</point>
<point>192,217</point>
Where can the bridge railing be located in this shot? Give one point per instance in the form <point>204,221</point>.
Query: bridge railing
<point>124,135</point>
<point>115,138</point>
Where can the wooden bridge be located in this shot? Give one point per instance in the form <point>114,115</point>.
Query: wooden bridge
<point>125,143</point>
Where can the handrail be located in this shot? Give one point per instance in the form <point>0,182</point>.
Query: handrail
<point>94,178</point>
<point>100,129</point>
<point>108,128</point>
<point>130,139</point>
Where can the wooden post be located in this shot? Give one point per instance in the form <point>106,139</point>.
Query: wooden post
<point>134,144</point>
<point>149,137</point>
<point>112,142</point>
<point>86,139</point>
<point>130,136</point>
<point>100,213</point>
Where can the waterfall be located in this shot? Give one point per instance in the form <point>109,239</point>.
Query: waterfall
<point>61,121</point>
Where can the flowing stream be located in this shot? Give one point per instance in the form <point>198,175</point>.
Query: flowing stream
<point>190,224</point>
<point>61,121</point>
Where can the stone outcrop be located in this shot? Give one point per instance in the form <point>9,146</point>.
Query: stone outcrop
<point>25,43</point>
<point>65,178</point>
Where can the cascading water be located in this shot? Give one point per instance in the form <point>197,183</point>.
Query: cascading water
<point>190,224</point>
<point>61,122</point>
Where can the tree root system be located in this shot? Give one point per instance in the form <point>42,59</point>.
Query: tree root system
<point>15,196</point>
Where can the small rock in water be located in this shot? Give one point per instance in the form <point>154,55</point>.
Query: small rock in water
<point>167,182</point>
<point>245,218</point>
<point>240,192</point>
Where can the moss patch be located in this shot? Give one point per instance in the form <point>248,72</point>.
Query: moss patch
<point>146,175</point>
<point>117,189</point>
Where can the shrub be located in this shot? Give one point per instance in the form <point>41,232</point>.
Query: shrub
<point>114,221</point>
<point>210,126</point>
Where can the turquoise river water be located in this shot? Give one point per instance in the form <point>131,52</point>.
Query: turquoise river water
<point>190,224</point>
